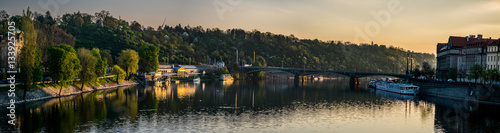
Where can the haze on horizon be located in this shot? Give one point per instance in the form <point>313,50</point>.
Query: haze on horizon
<point>418,25</point>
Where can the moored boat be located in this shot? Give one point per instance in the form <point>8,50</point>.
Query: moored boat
<point>196,80</point>
<point>406,89</point>
<point>372,83</point>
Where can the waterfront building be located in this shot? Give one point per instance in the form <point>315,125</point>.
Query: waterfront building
<point>186,70</point>
<point>4,50</point>
<point>448,53</point>
<point>464,52</point>
<point>493,55</point>
<point>220,64</point>
<point>166,70</point>
<point>473,53</point>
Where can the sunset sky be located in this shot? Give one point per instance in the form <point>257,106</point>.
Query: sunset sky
<point>419,25</point>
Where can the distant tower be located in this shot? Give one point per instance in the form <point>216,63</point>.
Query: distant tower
<point>253,56</point>
<point>236,56</point>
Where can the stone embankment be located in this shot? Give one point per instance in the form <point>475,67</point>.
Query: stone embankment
<point>474,93</point>
<point>51,92</point>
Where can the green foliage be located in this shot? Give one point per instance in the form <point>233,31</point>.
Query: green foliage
<point>223,71</point>
<point>38,69</point>
<point>88,63</point>
<point>128,59</point>
<point>27,57</point>
<point>427,70</point>
<point>106,56</point>
<point>491,75</point>
<point>64,64</point>
<point>101,64</point>
<point>261,60</point>
<point>148,58</point>
<point>453,73</point>
<point>120,74</point>
<point>475,72</point>
<point>178,44</point>
<point>417,72</point>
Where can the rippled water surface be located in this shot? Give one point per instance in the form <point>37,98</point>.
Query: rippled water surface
<point>248,106</point>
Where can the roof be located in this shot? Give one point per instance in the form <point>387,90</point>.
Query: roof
<point>457,41</point>
<point>440,46</point>
<point>495,43</point>
<point>187,66</point>
<point>479,43</point>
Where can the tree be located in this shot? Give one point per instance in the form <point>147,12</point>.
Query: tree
<point>128,59</point>
<point>475,71</point>
<point>491,75</point>
<point>79,21</point>
<point>261,60</point>
<point>223,70</point>
<point>64,64</point>
<point>452,73</point>
<point>27,60</point>
<point>101,64</point>
<point>4,15</point>
<point>50,36</point>
<point>149,58</point>
<point>88,62</point>
<point>120,74</point>
<point>38,69</point>
<point>417,73</point>
<point>427,70</point>
<point>106,56</point>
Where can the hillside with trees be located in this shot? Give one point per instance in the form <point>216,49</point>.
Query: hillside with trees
<point>180,44</point>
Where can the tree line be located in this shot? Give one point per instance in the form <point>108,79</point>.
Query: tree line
<point>48,51</point>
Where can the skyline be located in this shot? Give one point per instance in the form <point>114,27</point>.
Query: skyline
<point>415,25</point>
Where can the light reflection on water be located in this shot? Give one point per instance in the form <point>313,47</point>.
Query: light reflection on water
<point>267,106</point>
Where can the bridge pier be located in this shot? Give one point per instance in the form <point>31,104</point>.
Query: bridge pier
<point>354,81</point>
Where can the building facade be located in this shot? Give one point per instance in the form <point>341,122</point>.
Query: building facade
<point>461,53</point>
<point>474,53</point>
<point>493,55</point>
<point>448,55</point>
<point>4,50</point>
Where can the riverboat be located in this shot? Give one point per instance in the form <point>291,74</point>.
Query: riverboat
<point>406,89</point>
<point>372,83</point>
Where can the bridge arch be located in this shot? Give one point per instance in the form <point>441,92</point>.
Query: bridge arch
<point>338,73</point>
<point>385,75</point>
<point>275,70</point>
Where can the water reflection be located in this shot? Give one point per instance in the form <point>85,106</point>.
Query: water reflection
<point>270,106</point>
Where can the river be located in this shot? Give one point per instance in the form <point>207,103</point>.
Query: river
<point>252,106</point>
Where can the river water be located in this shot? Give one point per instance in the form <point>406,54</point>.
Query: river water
<point>252,106</point>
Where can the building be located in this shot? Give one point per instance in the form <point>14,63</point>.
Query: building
<point>447,55</point>
<point>4,50</point>
<point>473,53</point>
<point>166,70</point>
<point>493,55</point>
<point>220,64</point>
<point>186,70</point>
<point>464,52</point>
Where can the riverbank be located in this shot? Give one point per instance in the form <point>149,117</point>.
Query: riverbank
<point>472,94</point>
<point>49,92</point>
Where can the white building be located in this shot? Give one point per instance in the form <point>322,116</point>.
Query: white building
<point>493,55</point>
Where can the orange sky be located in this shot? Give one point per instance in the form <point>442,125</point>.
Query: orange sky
<point>416,25</point>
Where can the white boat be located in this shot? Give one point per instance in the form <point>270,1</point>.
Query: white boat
<point>406,89</point>
<point>372,83</point>
<point>196,80</point>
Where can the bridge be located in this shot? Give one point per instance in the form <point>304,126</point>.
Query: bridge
<point>298,72</point>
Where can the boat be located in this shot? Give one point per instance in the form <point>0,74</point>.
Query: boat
<point>372,83</point>
<point>389,86</point>
<point>196,80</point>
